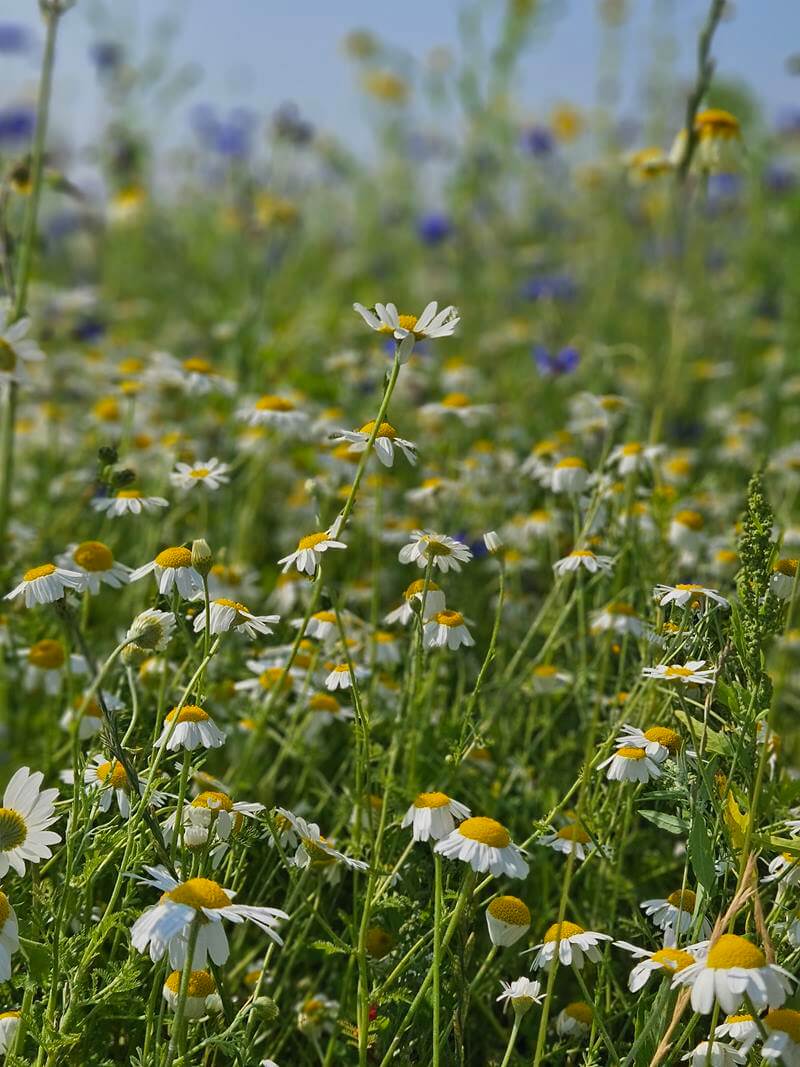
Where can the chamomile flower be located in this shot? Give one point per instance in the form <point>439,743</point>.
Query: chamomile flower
<point>9,936</point>
<point>172,567</point>
<point>308,554</point>
<point>407,329</point>
<point>583,558</point>
<point>9,1025</point>
<point>385,443</point>
<point>412,598</point>
<point>684,595</point>
<point>730,969</point>
<point>433,816</point>
<point>570,475</point>
<point>693,672</point>
<point>15,350</point>
<point>95,561</point>
<point>90,721</point>
<point>25,815</point>
<point>742,1028</point>
<point>575,1020</point>
<point>276,412</point>
<point>325,709</point>
<point>128,502</point>
<point>109,779</point>
<point>320,626</point>
<point>570,943</point>
<point>152,629</point>
<point>664,962</point>
<point>659,742</point>
<point>45,663</point>
<point>485,845</point>
<point>442,551</point>
<point>715,1054</point>
<point>201,994</point>
<point>46,584</point>
<point>211,474</point>
<point>508,919</point>
<point>546,678</point>
<point>190,727</point>
<point>521,995</point>
<point>164,928</point>
<point>675,914</point>
<point>224,615</point>
<point>784,578</point>
<point>630,764</point>
<point>570,838</point>
<point>783,1037</point>
<point>313,851</point>
<point>212,814</point>
<point>784,868</point>
<point>634,456</point>
<point>686,530</point>
<point>447,629</point>
<point>618,618</point>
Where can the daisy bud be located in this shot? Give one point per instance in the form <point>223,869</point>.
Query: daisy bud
<point>492,541</point>
<point>202,557</point>
<point>134,655</point>
<point>266,1009</point>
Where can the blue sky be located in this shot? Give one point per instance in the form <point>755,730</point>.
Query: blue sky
<point>262,52</point>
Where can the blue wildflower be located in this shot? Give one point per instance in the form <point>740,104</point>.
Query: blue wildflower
<point>538,141</point>
<point>434,228</point>
<point>553,365</point>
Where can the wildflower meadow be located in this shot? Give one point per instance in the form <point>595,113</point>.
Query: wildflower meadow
<point>400,645</point>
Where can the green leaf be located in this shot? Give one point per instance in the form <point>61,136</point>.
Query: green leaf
<point>701,854</point>
<point>715,742</point>
<point>38,957</point>
<point>329,948</point>
<point>671,823</point>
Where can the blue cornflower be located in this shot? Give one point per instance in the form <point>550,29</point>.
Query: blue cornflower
<point>554,364</point>
<point>550,287</point>
<point>434,228</point>
<point>538,141</point>
<point>17,123</point>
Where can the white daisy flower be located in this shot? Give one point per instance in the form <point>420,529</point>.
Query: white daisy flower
<point>9,936</point>
<point>25,814</point>
<point>15,350</point>
<point>165,927</point>
<point>546,678</point>
<point>630,764</point>
<point>385,443</point>
<point>91,721</point>
<point>447,629</point>
<point>634,456</point>
<point>571,943</point>
<point>569,475</point>
<point>95,561</point>
<point>521,995</point>
<point>128,502</point>
<point>508,919</point>
<point>313,850</point>
<point>9,1024</point>
<point>412,598</point>
<point>664,962</point>
<point>686,530</point>
<point>685,594</point>
<point>432,323</point>
<point>195,375</point>
<point>659,742</point>
<point>321,625</point>
<point>715,1053</point>
<point>152,629</point>
<point>308,554</point>
<point>583,558</point>
<point>433,816</point>
<point>172,567</point>
<point>575,1020</point>
<point>386,647</point>
<point>458,406</point>
<point>211,474</point>
<point>485,845</point>
<point>46,584</point>
<point>324,710</point>
<point>225,615</point>
<point>201,994</point>
<point>731,969</point>
<point>212,814</point>
<point>44,665</point>
<point>341,677</point>
<point>784,578</point>
<point>445,552</point>
<point>570,838</point>
<point>741,1028</point>
<point>618,618</point>
<point>190,727</point>
<point>693,672</point>
<point>785,869</point>
<point>278,412</point>
<point>109,778</point>
<point>783,1040</point>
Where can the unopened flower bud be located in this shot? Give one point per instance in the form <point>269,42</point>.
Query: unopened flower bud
<point>202,557</point>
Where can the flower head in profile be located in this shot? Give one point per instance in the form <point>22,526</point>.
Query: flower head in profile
<point>172,568</point>
<point>164,928</point>
<point>575,1020</point>
<point>313,851</point>
<point>128,502</point>
<point>201,994</point>
<point>385,444</point>
<point>521,995</point>
<point>190,727</point>
<point>45,584</point>
<point>224,615</point>
<point>665,962</point>
<point>152,630</point>
<point>9,936</point>
<point>95,561</point>
<point>730,969</point>
<point>693,672</point>
<point>433,816</point>
<point>447,629</point>
<point>583,559</point>
<point>407,329</point>
<point>675,914</point>
<point>630,764</point>
<point>15,349</point>
<point>308,554</point>
<point>570,944</point>
<point>485,845</point>
<point>508,919</point>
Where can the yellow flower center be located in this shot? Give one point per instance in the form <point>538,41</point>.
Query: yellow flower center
<point>662,735</point>
<point>734,951</point>
<point>378,942</point>
<point>47,655</point>
<point>113,774</point>
<point>510,910</point>
<point>783,566</point>
<point>199,893</point>
<point>13,829</point>
<point>571,463</point>
<point>630,752</point>
<point>672,959</point>
<point>786,1020</point>
<point>240,609</point>
<point>201,984</point>
<point>715,122</point>
<point>324,702</point>
<point>311,541</point>
<point>274,403</point>
<point>684,899</point>
<point>271,676</point>
<point>449,618</point>
<point>38,572</point>
<point>487,831</point>
<point>129,494</point>
<point>174,558</point>
<point>5,909</point>
<point>456,400</point>
<point>213,801</point>
<point>9,1015</point>
<point>580,1011</point>
<point>199,472</point>
<point>693,519</point>
<point>573,832</point>
<point>744,1018</point>
<point>93,556</point>
<point>384,430</point>
<point>324,616</point>
<point>618,608</point>
<point>416,588</point>
<point>562,931</point>
<point>188,713</point>
<point>431,800</point>
<point>678,672</point>
<point>633,448</point>
<point>582,553</point>
<point>197,365</point>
